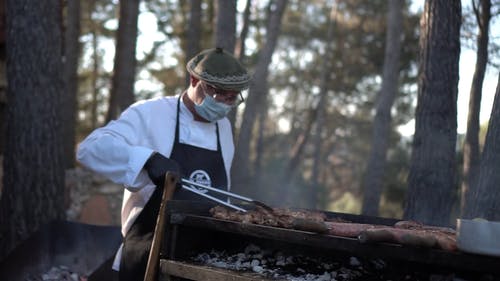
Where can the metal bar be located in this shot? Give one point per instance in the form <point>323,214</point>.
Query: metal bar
<point>173,241</point>
<point>243,198</point>
<point>213,198</point>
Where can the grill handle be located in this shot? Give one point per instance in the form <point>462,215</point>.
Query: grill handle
<point>154,255</point>
<point>230,194</point>
<point>214,198</point>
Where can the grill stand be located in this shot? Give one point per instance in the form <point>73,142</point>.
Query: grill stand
<point>192,228</point>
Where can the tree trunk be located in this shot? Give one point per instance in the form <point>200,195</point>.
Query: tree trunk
<point>321,109</point>
<point>239,49</point>
<point>71,55</point>
<point>239,53</point>
<point>259,145</point>
<point>298,147</point>
<point>257,92</point>
<point>95,74</point>
<point>486,199</point>
<point>194,33</point>
<point>3,79</point>
<point>374,173</point>
<point>122,89</point>
<point>432,177</point>
<point>33,180</point>
<point>471,145</point>
<point>225,32</point>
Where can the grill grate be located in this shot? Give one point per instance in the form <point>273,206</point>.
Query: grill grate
<point>191,231</point>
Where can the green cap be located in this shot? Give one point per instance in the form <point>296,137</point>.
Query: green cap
<point>220,69</point>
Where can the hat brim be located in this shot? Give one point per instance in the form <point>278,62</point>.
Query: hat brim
<point>220,69</point>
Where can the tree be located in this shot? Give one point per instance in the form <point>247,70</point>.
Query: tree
<point>71,54</point>
<point>225,31</point>
<point>122,89</point>
<point>471,150</point>
<point>257,93</point>
<point>354,77</point>
<point>374,173</point>
<point>239,50</point>
<point>225,34</point>
<point>320,111</point>
<point>432,177</point>
<point>194,32</point>
<point>485,201</point>
<point>96,62</point>
<point>33,181</point>
<point>3,78</point>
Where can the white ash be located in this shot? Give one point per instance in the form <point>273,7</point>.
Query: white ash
<point>354,261</point>
<point>277,265</point>
<point>58,273</point>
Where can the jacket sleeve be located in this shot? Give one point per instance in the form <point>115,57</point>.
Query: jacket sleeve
<point>118,150</point>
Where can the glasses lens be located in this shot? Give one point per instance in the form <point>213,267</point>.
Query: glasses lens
<point>234,98</point>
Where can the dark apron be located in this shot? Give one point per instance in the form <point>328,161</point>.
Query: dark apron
<point>199,165</point>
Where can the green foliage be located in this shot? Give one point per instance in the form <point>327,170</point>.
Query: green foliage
<point>348,203</point>
<point>354,80</point>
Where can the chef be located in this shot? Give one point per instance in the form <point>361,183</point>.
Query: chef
<point>187,134</point>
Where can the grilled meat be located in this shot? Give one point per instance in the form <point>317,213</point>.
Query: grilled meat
<point>403,232</point>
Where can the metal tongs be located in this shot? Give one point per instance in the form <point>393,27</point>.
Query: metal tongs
<point>189,185</point>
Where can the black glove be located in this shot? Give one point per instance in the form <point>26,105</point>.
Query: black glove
<point>158,165</point>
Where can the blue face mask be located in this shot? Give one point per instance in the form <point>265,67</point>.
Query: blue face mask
<point>212,110</point>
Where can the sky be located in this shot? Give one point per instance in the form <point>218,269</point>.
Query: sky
<point>466,72</point>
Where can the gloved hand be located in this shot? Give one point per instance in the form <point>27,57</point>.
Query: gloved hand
<point>158,165</point>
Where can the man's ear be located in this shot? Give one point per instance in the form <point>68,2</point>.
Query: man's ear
<point>193,81</point>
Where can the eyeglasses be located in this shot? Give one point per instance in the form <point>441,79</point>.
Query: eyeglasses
<point>233,98</point>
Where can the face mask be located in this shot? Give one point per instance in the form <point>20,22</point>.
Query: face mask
<point>211,110</point>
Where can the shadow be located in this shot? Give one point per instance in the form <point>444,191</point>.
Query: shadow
<point>81,247</point>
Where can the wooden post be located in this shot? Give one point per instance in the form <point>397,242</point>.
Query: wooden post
<point>154,255</point>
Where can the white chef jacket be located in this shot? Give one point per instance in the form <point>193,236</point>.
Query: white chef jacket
<point>120,149</point>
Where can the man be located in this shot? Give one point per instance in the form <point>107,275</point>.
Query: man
<point>188,135</point>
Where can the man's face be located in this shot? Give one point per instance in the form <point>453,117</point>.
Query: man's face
<point>231,98</point>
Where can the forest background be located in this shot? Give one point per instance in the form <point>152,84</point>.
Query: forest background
<point>325,124</point>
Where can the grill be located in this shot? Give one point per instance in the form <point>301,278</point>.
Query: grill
<point>191,230</point>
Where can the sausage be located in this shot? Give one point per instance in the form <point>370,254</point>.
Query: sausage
<point>410,237</point>
<point>418,225</point>
<point>348,229</point>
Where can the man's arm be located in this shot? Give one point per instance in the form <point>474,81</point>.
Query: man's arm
<point>117,151</point>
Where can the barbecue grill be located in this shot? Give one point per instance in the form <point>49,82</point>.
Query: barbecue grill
<point>190,230</point>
